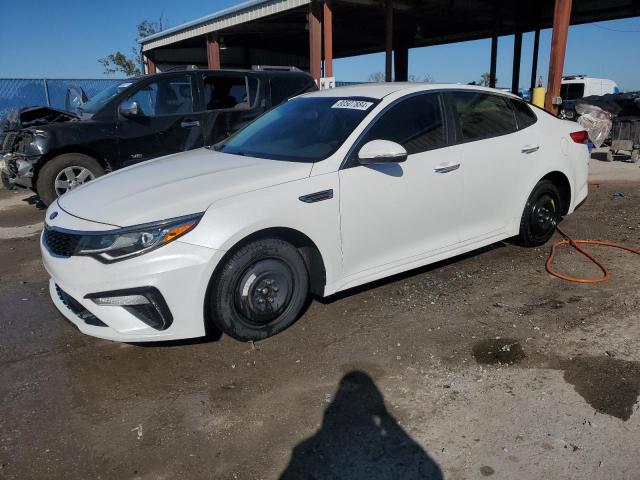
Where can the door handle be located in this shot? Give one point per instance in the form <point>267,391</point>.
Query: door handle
<point>530,148</point>
<point>190,123</point>
<point>446,168</point>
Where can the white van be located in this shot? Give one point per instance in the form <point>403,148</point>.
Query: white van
<point>574,87</point>
<point>579,86</point>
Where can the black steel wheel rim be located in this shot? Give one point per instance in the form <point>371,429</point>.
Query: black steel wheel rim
<point>544,215</point>
<point>264,291</point>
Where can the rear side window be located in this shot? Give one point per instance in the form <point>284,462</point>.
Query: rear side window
<point>481,115</point>
<point>416,123</point>
<point>284,87</point>
<point>524,115</point>
<point>229,92</point>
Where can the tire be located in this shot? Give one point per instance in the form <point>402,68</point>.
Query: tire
<point>541,214</point>
<point>259,290</point>
<point>55,170</point>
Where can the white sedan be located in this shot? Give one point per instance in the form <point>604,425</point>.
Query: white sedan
<point>331,190</point>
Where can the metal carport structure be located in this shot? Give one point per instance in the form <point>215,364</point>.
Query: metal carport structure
<point>309,34</point>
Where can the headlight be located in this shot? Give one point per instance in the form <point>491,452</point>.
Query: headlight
<point>131,241</point>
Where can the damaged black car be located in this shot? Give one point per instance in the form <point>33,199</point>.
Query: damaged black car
<point>53,151</point>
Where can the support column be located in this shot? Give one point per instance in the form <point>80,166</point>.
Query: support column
<point>327,26</point>
<point>401,61</point>
<point>494,60</point>
<point>315,41</point>
<point>388,40</point>
<point>561,20</point>
<point>534,65</point>
<point>517,54</point>
<point>213,52</point>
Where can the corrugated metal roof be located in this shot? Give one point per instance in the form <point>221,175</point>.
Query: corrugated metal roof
<point>244,12</point>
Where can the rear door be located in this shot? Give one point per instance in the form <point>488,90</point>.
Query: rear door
<point>228,102</point>
<point>284,86</point>
<point>166,124</point>
<point>493,156</point>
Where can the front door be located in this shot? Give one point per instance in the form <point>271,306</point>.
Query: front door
<point>166,123</point>
<point>397,213</point>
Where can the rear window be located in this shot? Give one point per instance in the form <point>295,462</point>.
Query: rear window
<point>481,115</point>
<point>571,91</point>
<point>525,117</point>
<point>229,92</point>
<point>284,87</point>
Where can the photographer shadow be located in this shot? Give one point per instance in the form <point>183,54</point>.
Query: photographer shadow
<point>359,439</point>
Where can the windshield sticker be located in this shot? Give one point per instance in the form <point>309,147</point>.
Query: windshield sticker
<point>125,85</point>
<point>352,104</point>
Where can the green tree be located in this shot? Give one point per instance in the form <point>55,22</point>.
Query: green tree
<point>130,65</point>
<point>485,79</point>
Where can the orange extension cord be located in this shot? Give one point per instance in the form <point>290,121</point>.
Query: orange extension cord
<point>568,241</point>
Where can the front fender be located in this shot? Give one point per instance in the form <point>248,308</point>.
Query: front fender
<point>228,221</point>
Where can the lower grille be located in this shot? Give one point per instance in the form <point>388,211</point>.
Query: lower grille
<point>81,312</point>
<point>60,243</point>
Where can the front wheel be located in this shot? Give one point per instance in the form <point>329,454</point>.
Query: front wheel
<point>541,214</point>
<point>259,290</point>
<point>64,173</point>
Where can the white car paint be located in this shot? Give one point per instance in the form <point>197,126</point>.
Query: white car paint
<point>382,219</point>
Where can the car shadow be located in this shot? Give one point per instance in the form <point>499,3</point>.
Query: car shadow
<point>409,273</point>
<point>359,439</point>
<point>35,200</point>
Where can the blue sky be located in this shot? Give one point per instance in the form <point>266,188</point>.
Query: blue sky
<point>70,35</point>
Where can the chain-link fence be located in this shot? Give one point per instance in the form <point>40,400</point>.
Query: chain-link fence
<point>26,92</point>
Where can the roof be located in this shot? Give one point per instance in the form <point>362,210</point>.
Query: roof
<point>381,90</point>
<point>242,13</point>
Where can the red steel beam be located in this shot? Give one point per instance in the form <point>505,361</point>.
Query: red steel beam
<point>561,20</point>
<point>213,52</point>
<point>315,41</point>
<point>327,25</point>
<point>151,66</point>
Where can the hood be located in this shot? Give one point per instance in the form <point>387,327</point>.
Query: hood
<point>179,184</point>
<point>30,116</point>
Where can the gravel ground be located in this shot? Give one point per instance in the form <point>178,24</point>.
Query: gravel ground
<point>480,366</point>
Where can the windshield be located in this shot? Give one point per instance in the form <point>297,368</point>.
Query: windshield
<point>301,130</point>
<point>102,98</point>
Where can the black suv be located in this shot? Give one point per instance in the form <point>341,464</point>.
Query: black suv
<point>142,118</point>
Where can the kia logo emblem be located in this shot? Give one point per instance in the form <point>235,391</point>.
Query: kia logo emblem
<point>53,215</point>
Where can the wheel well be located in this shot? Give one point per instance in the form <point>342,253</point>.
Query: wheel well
<point>306,246</point>
<point>70,149</point>
<point>561,182</point>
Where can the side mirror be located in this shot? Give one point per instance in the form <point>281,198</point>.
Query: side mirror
<point>129,109</point>
<point>381,151</point>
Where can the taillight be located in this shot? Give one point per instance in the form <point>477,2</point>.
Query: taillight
<point>580,137</point>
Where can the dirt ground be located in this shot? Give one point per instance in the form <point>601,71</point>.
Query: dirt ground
<point>481,366</point>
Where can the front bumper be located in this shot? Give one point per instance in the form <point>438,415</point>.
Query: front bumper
<point>179,271</point>
<point>17,170</point>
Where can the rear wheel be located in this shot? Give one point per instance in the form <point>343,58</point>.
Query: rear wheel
<point>541,214</point>
<point>64,173</point>
<point>259,290</point>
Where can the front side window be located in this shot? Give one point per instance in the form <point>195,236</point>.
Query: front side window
<point>229,92</point>
<point>416,123</point>
<point>481,115</point>
<point>166,96</point>
<point>301,130</point>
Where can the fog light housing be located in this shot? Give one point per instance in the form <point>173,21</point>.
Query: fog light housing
<point>145,303</point>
